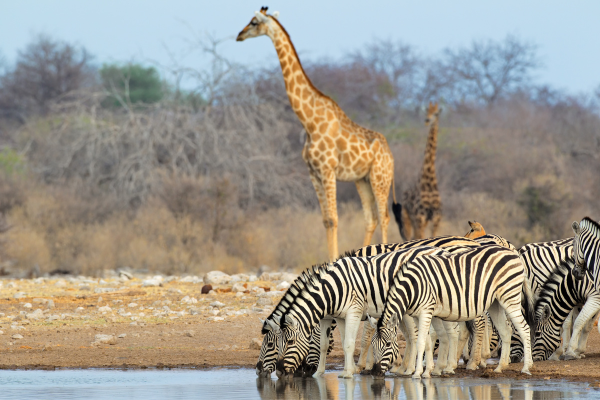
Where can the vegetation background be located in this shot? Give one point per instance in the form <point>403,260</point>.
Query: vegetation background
<point>115,166</point>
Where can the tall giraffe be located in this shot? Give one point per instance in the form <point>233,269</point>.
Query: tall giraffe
<point>336,148</point>
<point>421,203</point>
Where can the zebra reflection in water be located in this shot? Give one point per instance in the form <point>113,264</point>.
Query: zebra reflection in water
<point>329,387</point>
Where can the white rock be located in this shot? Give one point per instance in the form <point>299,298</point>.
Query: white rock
<point>61,283</point>
<point>264,301</point>
<point>79,309</point>
<point>50,304</point>
<point>27,305</point>
<point>186,299</point>
<point>258,290</point>
<point>1,333</point>
<point>104,339</point>
<point>126,275</point>
<point>104,309</point>
<point>239,278</point>
<point>288,276</point>
<point>283,286</point>
<point>215,319</point>
<point>131,305</point>
<point>105,290</point>
<point>212,292</point>
<point>217,278</point>
<point>37,314</point>
<point>217,304</point>
<point>17,336</point>
<point>239,294</point>
<point>238,287</point>
<point>252,278</point>
<point>122,335</point>
<point>151,283</point>
<point>19,295</point>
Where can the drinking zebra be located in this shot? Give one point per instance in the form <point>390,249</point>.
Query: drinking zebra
<point>453,287</point>
<point>558,297</point>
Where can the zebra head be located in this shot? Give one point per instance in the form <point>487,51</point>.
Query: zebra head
<point>586,249</point>
<point>267,359</point>
<point>293,346</point>
<point>547,333</point>
<point>385,345</point>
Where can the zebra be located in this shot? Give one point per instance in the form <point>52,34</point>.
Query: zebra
<point>270,327</point>
<point>558,297</point>
<point>346,290</point>
<point>456,287</point>
<point>586,249</point>
<point>268,353</point>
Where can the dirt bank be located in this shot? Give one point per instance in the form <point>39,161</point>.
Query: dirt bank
<point>167,326</point>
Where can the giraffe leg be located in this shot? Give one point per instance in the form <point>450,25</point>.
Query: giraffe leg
<point>331,223</point>
<point>435,223</point>
<point>381,191</point>
<point>368,202</point>
<point>419,226</point>
<point>406,229</point>
<point>325,187</point>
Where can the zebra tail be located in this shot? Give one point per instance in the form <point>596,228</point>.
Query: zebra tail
<point>528,303</point>
<point>470,326</point>
<point>397,209</point>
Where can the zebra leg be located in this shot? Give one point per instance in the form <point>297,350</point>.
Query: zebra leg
<point>485,347</point>
<point>399,364</point>
<point>424,322</point>
<point>582,345</point>
<point>499,319</point>
<point>429,364</point>
<point>463,338</point>
<point>325,325</point>
<point>365,361</point>
<point>587,314</point>
<point>410,353</point>
<point>452,331</point>
<point>442,360</point>
<point>567,328</point>
<point>475,350</point>
<point>352,324</point>
<point>513,311</point>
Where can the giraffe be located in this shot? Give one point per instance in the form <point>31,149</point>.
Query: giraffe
<point>336,148</point>
<point>421,203</point>
<point>476,230</point>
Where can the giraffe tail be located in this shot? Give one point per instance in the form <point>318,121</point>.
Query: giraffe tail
<point>397,209</point>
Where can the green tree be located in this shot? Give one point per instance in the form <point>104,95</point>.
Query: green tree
<point>131,84</point>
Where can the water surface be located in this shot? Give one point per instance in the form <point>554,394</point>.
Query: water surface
<point>243,384</point>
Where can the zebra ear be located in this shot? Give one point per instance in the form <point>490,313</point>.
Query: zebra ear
<point>546,315</point>
<point>372,321</point>
<point>575,227</point>
<point>277,319</point>
<point>262,321</point>
<point>272,325</point>
<point>393,322</point>
<point>290,320</point>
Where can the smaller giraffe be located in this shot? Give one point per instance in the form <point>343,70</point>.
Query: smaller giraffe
<point>476,230</point>
<point>421,203</point>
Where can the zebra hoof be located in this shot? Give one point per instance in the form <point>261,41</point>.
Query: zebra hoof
<point>498,370</point>
<point>345,375</point>
<point>525,371</point>
<point>567,357</point>
<point>448,371</point>
<point>416,376</point>
<point>318,374</point>
<point>366,372</point>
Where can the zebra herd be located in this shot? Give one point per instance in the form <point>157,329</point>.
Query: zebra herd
<point>452,288</point>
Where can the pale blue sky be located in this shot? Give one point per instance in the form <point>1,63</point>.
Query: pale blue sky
<point>567,32</point>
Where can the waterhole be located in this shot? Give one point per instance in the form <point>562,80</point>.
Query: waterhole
<point>243,384</point>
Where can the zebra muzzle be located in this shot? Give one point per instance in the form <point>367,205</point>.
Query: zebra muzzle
<point>377,371</point>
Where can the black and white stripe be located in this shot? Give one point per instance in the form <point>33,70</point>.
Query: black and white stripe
<point>458,287</point>
<point>586,249</point>
<point>561,293</point>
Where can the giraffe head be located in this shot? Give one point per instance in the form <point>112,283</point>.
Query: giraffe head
<point>261,24</point>
<point>433,111</point>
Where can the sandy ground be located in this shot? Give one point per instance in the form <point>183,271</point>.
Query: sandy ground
<point>158,330</point>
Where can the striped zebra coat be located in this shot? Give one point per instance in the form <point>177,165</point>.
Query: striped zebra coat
<point>457,287</point>
<point>561,293</point>
<point>345,290</point>
<point>586,249</point>
<point>270,327</point>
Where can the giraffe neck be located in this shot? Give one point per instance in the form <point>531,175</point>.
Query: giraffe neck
<point>428,177</point>
<point>299,88</point>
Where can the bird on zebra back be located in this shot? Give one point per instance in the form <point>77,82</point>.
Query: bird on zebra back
<point>561,293</point>
<point>586,249</point>
<point>476,230</point>
<point>437,285</point>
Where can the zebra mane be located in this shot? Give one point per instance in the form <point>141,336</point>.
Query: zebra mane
<point>589,223</point>
<point>308,277</point>
<point>549,287</point>
<point>491,238</point>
